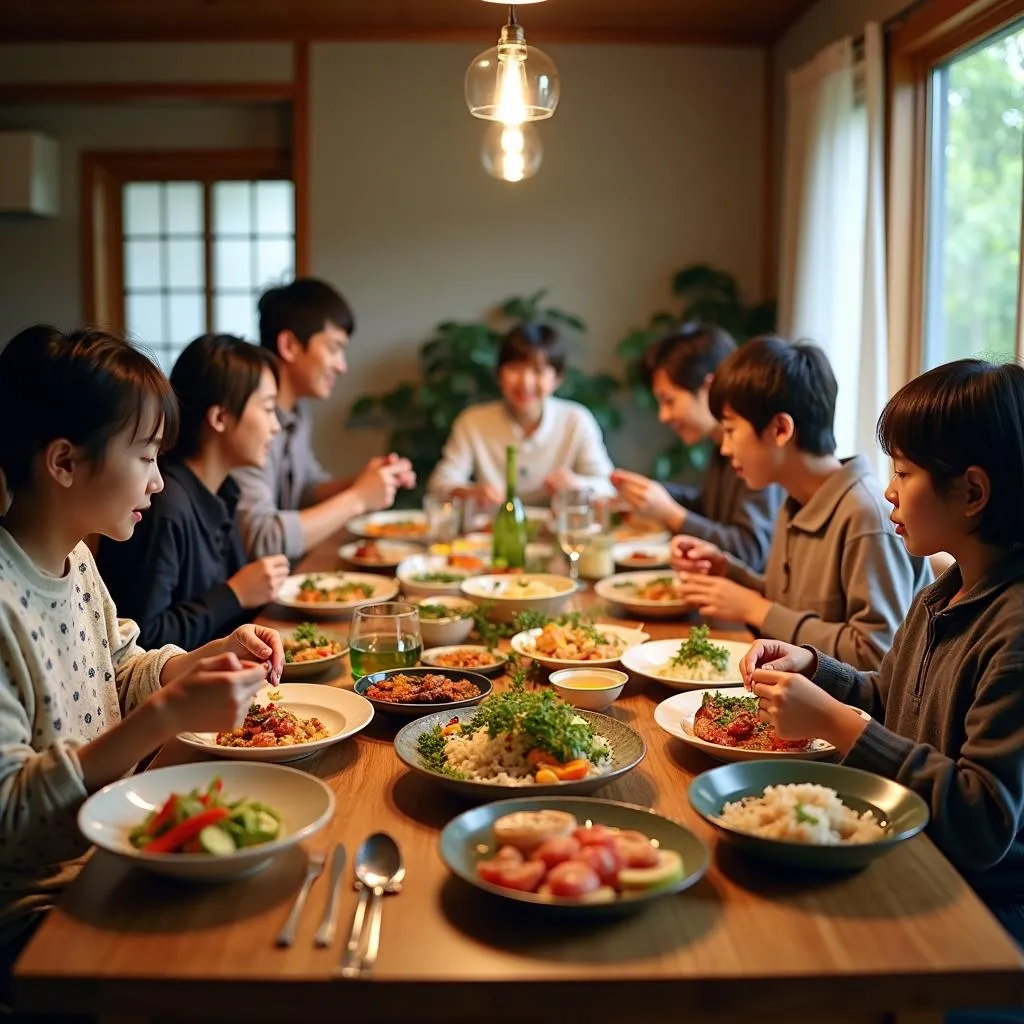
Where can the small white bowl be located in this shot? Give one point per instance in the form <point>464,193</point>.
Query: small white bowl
<point>590,698</point>
<point>447,632</point>
<point>426,565</point>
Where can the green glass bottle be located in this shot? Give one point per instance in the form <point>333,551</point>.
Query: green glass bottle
<point>509,549</point>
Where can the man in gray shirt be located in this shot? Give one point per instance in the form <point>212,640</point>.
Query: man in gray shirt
<point>292,504</point>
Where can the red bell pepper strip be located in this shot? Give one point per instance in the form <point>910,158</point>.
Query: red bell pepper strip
<point>188,829</point>
<point>164,815</point>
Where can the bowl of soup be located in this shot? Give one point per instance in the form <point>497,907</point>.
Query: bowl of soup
<point>592,689</point>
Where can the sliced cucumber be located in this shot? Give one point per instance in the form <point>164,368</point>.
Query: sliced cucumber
<point>267,827</point>
<point>668,871</point>
<point>215,840</point>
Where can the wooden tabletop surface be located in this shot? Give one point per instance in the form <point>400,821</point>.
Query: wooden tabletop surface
<point>906,936</point>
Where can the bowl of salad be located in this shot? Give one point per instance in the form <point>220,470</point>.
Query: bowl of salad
<point>445,620</point>
<point>433,575</point>
<point>308,651</point>
<point>206,822</point>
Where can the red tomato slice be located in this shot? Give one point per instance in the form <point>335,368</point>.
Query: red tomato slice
<point>595,835</point>
<point>605,861</point>
<point>524,877</point>
<point>572,879</point>
<point>636,855</point>
<point>556,851</point>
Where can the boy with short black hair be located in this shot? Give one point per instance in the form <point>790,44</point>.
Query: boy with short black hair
<point>292,503</point>
<point>679,370</point>
<point>559,442</point>
<point>947,706</point>
<point>837,574</point>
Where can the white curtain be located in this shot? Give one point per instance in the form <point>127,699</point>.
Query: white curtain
<point>832,286</point>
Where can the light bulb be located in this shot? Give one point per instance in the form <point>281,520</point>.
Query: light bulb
<point>512,82</point>
<point>511,152</point>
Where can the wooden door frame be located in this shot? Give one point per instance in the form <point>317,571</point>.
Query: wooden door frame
<point>103,176</point>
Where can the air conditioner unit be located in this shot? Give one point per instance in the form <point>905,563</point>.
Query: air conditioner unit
<point>29,174</point>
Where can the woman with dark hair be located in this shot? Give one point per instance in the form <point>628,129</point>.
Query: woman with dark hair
<point>559,442</point>
<point>183,574</point>
<point>723,509</point>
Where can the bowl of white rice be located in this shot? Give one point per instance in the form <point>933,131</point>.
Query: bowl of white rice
<point>808,814</point>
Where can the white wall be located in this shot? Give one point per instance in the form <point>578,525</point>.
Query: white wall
<point>652,161</point>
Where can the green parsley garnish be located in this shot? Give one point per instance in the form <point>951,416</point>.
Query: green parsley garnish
<point>729,707</point>
<point>803,817</point>
<point>431,747</point>
<point>698,649</point>
<point>306,631</point>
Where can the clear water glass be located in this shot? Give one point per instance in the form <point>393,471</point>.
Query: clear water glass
<point>384,636</point>
<point>575,524</point>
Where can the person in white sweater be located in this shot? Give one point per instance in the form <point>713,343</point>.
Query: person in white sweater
<point>558,442</point>
<point>82,418</point>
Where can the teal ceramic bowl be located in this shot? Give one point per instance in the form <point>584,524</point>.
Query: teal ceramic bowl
<point>469,838</point>
<point>901,812</point>
<point>628,750</point>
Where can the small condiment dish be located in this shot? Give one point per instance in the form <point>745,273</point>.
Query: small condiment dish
<point>589,688</point>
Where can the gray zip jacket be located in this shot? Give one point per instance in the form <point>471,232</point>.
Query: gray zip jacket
<point>947,709</point>
<point>838,576</point>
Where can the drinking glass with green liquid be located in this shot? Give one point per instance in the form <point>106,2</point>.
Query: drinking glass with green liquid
<point>384,636</point>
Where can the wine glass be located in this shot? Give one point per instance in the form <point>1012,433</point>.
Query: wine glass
<point>575,524</point>
<point>384,636</point>
<point>442,517</point>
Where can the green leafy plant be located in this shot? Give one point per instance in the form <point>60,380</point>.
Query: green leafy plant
<point>712,296</point>
<point>458,368</point>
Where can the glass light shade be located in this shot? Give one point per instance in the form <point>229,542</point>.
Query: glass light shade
<point>512,82</point>
<point>511,152</point>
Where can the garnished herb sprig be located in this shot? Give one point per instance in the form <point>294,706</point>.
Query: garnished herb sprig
<point>697,649</point>
<point>542,717</point>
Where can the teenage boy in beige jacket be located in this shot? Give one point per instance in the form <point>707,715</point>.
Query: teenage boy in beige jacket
<point>837,576</point>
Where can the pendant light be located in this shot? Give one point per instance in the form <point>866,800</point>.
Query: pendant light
<point>512,82</point>
<point>511,152</point>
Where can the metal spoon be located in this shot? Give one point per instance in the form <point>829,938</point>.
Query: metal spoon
<point>378,866</point>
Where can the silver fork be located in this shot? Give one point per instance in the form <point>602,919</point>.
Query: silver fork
<point>313,868</point>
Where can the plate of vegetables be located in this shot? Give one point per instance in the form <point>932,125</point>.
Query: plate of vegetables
<point>573,856</point>
<point>308,651</point>
<point>206,822</point>
<point>320,592</point>
<point>432,575</point>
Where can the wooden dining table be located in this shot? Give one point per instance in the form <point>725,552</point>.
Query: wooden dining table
<point>902,940</point>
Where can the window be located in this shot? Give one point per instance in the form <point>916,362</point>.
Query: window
<point>183,244</point>
<point>976,181</point>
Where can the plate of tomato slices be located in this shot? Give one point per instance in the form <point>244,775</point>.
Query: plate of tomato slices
<point>577,855</point>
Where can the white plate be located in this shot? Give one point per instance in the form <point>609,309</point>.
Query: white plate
<point>638,528</point>
<point>646,659</point>
<point>612,589</point>
<point>419,565</point>
<point>309,669</point>
<point>370,525</point>
<point>657,555</point>
<point>304,803</point>
<point>391,552</point>
<point>500,592</point>
<point>342,712</point>
<point>384,588</point>
<point>430,655</point>
<point>522,644</point>
<point>676,716</point>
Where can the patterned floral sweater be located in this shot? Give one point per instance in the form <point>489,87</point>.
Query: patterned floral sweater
<point>69,670</point>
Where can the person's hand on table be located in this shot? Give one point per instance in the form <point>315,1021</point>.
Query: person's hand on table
<point>718,598</point>
<point>694,556</point>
